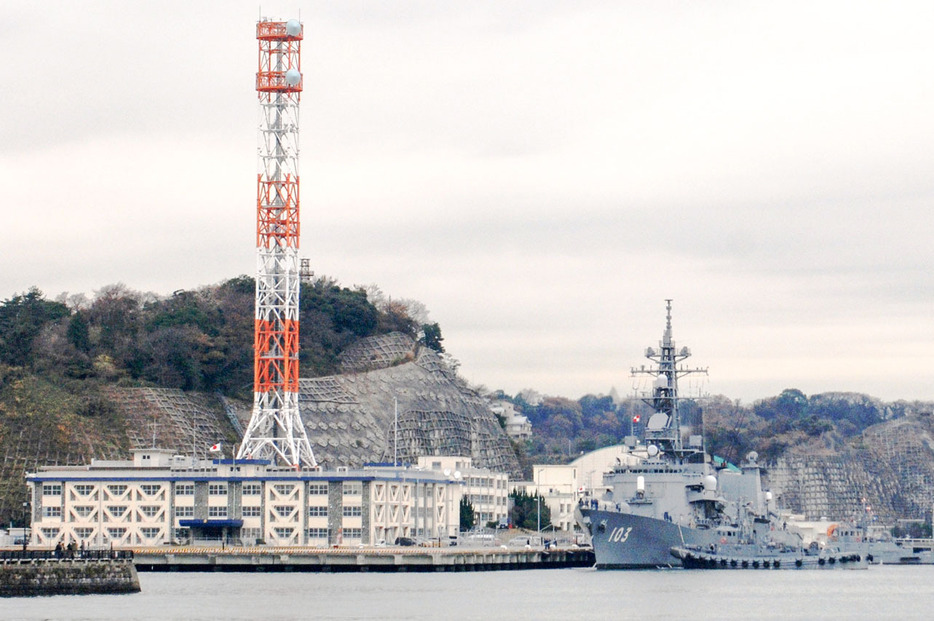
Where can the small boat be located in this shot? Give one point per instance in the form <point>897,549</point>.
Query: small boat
<point>691,558</point>
<point>754,556</point>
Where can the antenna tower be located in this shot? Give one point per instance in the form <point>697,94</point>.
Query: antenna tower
<point>276,431</point>
<point>664,426</point>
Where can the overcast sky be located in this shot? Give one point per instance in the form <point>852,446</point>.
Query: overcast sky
<point>541,175</point>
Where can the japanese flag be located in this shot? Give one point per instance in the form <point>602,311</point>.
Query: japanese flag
<point>216,448</point>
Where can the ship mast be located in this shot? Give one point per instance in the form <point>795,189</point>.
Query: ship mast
<point>663,429</point>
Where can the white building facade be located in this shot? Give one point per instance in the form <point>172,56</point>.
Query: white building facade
<point>562,487</point>
<point>487,491</point>
<point>158,498</point>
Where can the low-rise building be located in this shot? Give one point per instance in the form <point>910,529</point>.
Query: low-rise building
<point>158,498</point>
<point>557,485</point>
<point>562,487</point>
<point>518,427</point>
<point>487,491</point>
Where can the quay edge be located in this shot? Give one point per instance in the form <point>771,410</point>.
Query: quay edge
<point>394,559</point>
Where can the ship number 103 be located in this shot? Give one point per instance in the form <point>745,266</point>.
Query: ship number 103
<point>619,534</point>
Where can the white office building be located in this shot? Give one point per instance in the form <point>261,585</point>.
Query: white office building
<point>158,498</point>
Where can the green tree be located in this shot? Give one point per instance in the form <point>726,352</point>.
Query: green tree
<point>22,318</point>
<point>432,337</point>
<point>467,516</point>
<point>529,511</point>
<point>78,332</point>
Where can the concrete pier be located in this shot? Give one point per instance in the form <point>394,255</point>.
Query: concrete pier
<point>33,574</point>
<point>390,559</point>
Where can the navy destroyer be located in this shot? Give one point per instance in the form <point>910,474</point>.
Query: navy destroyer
<point>675,497</point>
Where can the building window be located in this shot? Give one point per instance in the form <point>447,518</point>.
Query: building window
<point>217,489</point>
<point>52,489</point>
<point>150,533</point>
<point>84,490</point>
<point>182,534</point>
<point>117,510</point>
<point>51,512</point>
<point>283,533</point>
<point>284,511</point>
<point>151,490</point>
<point>184,489</point>
<point>150,511</point>
<point>353,533</point>
<point>284,490</point>
<point>352,488</point>
<point>252,511</point>
<point>116,533</point>
<point>49,533</point>
<point>317,511</point>
<point>217,512</point>
<point>252,489</point>
<point>317,533</point>
<point>353,511</point>
<point>250,533</point>
<point>82,510</point>
<point>84,532</point>
<point>116,490</point>
<point>184,512</point>
<point>317,489</point>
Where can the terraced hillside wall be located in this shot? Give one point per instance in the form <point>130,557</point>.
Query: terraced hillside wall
<point>890,470</point>
<point>351,418</point>
<point>188,423</point>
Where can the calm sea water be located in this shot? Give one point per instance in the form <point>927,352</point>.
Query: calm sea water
<point>877,593</point>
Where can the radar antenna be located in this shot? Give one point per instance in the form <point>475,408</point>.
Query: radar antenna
<point>663,428</point>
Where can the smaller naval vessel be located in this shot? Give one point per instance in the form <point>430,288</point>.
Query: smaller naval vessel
<point>676,497</point>
<point>753,556</point>
<point>745,552</point>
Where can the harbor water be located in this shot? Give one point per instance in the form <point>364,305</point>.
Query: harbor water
<point>889,592</point>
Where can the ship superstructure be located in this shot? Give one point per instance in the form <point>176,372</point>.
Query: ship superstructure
<point>675,496</point>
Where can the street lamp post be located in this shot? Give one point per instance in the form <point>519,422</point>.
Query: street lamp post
<point>25,513</point>
<point>538,500</point>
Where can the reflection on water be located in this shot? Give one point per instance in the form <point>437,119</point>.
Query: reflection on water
<point>878,592</point>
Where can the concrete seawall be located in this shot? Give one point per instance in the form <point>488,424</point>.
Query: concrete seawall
<point>412,559</point>
<point>52,576</point>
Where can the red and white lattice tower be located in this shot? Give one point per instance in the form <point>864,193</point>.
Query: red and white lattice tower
<point>276,431</point>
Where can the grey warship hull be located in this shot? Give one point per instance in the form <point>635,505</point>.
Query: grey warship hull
<point>630,541</point>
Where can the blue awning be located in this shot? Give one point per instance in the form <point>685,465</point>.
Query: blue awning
<point>210,523</point>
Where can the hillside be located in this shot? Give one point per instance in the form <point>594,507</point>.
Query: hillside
<point>92,378</point>
<point>828,455</point>
<point>84,379</point>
